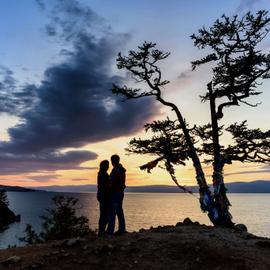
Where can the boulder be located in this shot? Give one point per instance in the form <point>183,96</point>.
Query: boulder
<point>240,228</point>
<point>11,260</point>
<point>6,215</point>
<point>187,221</point>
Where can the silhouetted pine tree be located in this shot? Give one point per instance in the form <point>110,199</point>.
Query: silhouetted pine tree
<point>60,222</point>
<point>239,67</point>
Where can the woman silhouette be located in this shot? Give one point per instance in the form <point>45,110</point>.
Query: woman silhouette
<point>103,182</point>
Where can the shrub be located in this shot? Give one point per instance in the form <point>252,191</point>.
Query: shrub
<point>31,236</point>
<point>60,222</point>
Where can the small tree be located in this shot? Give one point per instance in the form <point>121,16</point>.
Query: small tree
<point>60,222</point>
<point>3,197</point>
<point>31,237</point>
<point>239,67</point>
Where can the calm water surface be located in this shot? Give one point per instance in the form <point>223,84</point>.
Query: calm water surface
<point>142,210</point>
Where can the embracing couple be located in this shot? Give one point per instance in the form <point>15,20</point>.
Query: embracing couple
<point>110,196</point>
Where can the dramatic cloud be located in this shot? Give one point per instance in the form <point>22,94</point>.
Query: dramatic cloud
<point>43,162</point>
<point>73,105</point>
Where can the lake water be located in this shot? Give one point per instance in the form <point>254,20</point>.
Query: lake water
<point>142,210</point>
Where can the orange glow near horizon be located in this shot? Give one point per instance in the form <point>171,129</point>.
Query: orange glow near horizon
<point>135,177</point>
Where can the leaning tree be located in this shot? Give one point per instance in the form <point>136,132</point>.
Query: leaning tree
<point>238,68</point>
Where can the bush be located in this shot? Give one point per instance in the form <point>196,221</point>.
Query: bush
<point>31,236</point>
<point>60,222</point>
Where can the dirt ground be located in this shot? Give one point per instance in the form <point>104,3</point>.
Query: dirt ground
<point>184,246</point>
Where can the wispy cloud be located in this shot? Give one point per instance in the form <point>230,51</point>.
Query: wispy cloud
<point>79,179</point>
<point>41,4</point>
<point>44,178</point>
<point>258,171</point>
<point>185,74</point>
<point>247,5</point>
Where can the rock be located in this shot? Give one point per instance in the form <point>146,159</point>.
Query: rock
<point>60,243</point>
<point>64,255</point>
<point>179,224</point>
<point>104,249</point>
<point>110,246</point>
<point>11,260</point>
<point>187,221</point>
<point>53,253</point>
<point>18,218</point>
<point>143,238</point>
<point>73,242</point>
<point>264,244</point>
<point>35,266</point>
<point>246,235</point>
<point>240,228</point>
<point>96,251</point>
<point>178,229</point>
<point>7,216</point>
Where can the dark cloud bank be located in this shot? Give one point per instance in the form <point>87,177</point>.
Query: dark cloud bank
<point>73,104</point>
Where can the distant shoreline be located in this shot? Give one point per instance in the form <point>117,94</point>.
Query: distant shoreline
<point>132,192</point>
<point>260,186</point>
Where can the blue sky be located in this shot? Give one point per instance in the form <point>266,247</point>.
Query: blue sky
<point>32,55</point>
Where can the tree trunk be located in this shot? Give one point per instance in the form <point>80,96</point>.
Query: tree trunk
<point>220,198</point>
<point>206,198</point>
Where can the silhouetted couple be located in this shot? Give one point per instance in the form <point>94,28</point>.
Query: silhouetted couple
<point>110,196</point>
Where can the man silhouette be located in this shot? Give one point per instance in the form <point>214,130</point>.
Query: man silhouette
<point>117,186</point>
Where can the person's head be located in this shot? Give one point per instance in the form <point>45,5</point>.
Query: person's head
<point>115,159</point>
<point>104,166</point>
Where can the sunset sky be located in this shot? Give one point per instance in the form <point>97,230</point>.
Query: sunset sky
<point>58,117</point>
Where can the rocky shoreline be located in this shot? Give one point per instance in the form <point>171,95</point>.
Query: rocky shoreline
<point>7,216</point>
<point>187,245</point>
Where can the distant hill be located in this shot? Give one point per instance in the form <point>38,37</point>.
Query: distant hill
<point>236,187</point>
<point>16,189</point>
